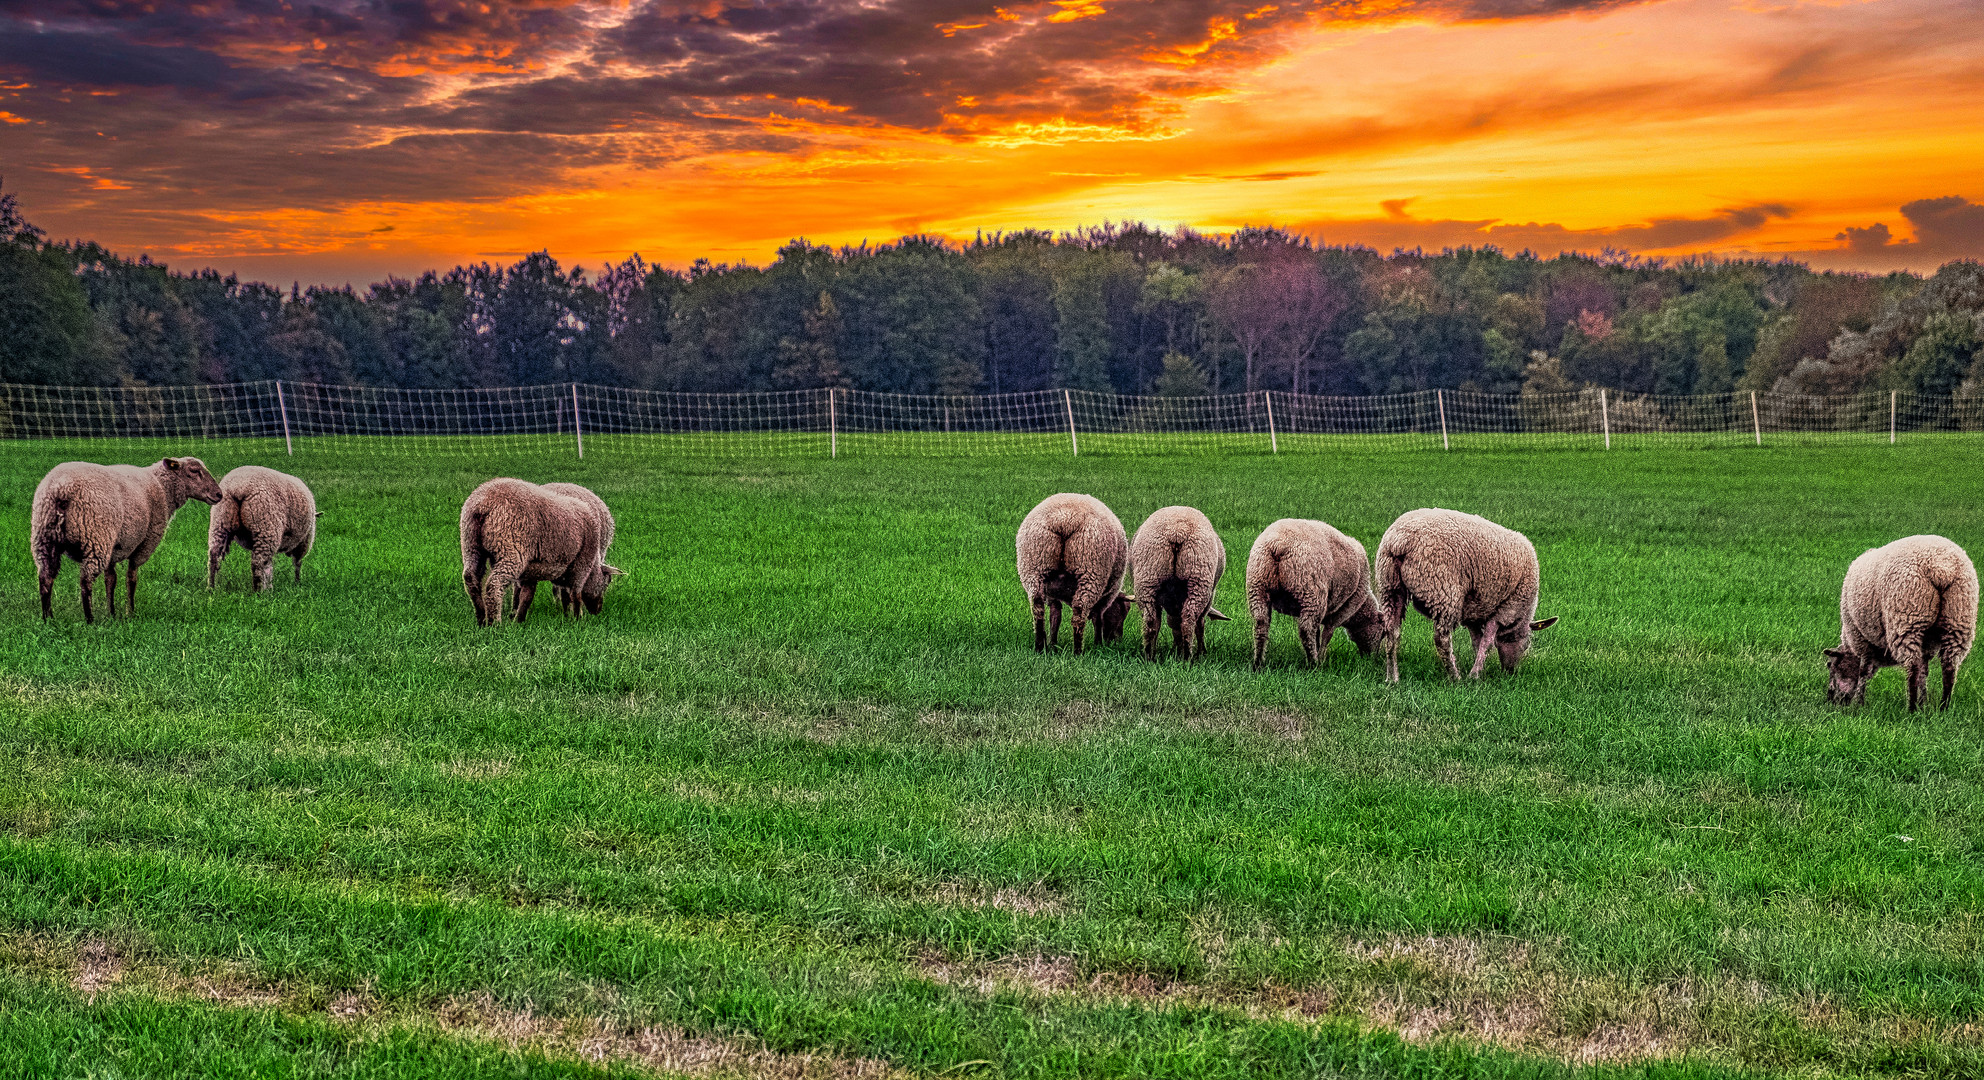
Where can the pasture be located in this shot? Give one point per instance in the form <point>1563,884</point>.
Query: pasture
<point>804,801</point>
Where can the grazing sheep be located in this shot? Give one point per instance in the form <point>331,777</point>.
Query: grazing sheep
<point>1177,561</point>
<point>1311,571</point>
<point>516,533</point>
<point>269,513</point>
<point>101,515</point>
<point>1072,550</point>
<point>1900,604</point>
<point>1459,570</point>
<point>587,595</point>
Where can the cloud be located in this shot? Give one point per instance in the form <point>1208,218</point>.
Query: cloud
<point>1949,227</point>
<point>1398,229</point>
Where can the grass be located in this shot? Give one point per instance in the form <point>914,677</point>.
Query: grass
<point>805,802</point>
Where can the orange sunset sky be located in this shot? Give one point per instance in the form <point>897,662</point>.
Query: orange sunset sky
<point>344,141</point>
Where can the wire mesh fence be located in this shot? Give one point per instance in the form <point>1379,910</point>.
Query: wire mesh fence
<point>575,418</point>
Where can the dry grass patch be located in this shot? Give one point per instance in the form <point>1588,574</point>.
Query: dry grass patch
<point>1033,899</point>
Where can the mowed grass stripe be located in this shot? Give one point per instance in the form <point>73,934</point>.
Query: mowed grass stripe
<point>811,717</point>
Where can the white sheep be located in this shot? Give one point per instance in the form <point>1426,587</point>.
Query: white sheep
<point>1177,560</point>
<point>1311,571</point>
<point>592,594</point>
<point>1459,570</point>
<point>101,515</point>
<point>1072,550</point>
<point>515,533</point>
<point>268,512</point>
<point>1901,604</point>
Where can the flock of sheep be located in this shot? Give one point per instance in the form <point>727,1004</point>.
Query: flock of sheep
<point>1900,605</point>
<point>514,534</point>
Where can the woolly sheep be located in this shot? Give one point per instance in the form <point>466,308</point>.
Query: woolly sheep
<point>515,533</point>
<point>1311,571</point>
<point>101,515</point>
<point>1900,604</point>
<point>591,595</point>
<point>268,512</point>
<point>1072,550</point>
<point>1459,570</point>
<point>1177,560</point>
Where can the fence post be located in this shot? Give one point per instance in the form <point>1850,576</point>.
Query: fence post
<point>1892,394</point>
<point>1274,444</point>
<point>1068,399</point>
<point>1756,424</point>
<point>1440,399</point>
<point>283,408</point>
<point>577,435</point>
<point>1604,418</point>
<point>833,427</point>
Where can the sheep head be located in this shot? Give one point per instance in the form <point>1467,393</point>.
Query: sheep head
<point>1848,685</point>
<point>1109,621</point>
<point>188,478</point>
<point>1513,644</point>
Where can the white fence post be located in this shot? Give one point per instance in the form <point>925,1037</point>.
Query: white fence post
<point>1604,418</point>
<point>1068,399</point>
<point>1274,444</point>
<point>1756,424</point>
<point>1440,399</point>
<point>283,408</point>
<point>833,427</point>
<point>1892,395</point>
<point>576,433</point>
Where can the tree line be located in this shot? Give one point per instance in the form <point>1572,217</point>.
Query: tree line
<point>1126,308</point>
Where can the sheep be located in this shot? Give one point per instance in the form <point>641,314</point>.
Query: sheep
<point>1311,571</point>
<point>1072,550</point>
<point>1459,570</point>
<point>269,513</point>
<point>591,598</point>
<point>1899,604</point>
<point>515,533</point>
<point>101,515</point>
<point>1177,560</point>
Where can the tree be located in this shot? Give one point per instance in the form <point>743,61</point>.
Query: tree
<point>1181,378</point>
<point>813,360</point>
<point>48,333</point>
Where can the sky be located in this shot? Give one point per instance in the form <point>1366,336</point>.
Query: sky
<point>346,140</point>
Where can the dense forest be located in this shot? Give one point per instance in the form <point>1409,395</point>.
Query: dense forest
<point>1126,307</point>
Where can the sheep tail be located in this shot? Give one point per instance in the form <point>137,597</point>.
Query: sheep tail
<point>1391,596</point>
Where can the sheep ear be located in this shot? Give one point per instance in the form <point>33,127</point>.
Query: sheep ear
<point>172,463</point>
<point>1213,613</point>
<point>613,571</point>
<point>1836,654</point>
<point>1544,625</point>
<point>1129,598</point>
<point>319,513</point>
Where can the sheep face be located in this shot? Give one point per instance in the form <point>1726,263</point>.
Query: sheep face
<point>593,594</point>
<point>1513,644</point>
<point>1848,685</point>
<point>194,478</point>
<point>1109,623</point>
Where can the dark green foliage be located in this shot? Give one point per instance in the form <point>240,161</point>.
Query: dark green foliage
<point>1096,309</point>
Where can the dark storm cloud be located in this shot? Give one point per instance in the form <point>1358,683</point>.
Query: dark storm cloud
<point>268,103</point>
<point>1949,227</point>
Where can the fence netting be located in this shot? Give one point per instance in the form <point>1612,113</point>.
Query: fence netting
<point>575,418</point>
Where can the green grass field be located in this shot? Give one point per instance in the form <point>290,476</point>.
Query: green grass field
<point>804,802</point>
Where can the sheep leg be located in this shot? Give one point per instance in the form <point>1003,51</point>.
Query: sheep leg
<point>526,596</point>
<point>46,569</point>
<point>89,586</point>
<point>1443,643</point>
<point>110,588</point>
<point>262,560</point>
<point>1153,626</point>
<point>1483,638</point>
<point>501,577</point>
<point>1949,675</point>
<point>216,552</point>
<point>1261,624</point>
<point>131,589</point>
<point>297,559</point>
<point>1309,628</point>
<point>1909,656</point>
<point>1054,623</point>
